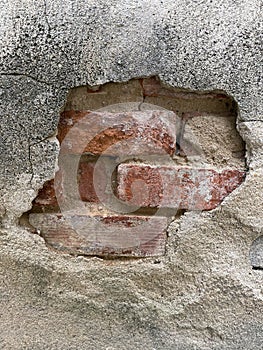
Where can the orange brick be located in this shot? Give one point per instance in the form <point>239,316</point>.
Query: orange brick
<point>175,187</point>
<point>127,133</point>
<point>128,236</point>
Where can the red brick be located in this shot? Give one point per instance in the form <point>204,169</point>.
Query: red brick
<point>175,187</point>
<point>131,133</point>
<point>129,236</point>
<point>46,199</point>
<point>152,87</point>
<point>46,196</point>
<point>88,189</point>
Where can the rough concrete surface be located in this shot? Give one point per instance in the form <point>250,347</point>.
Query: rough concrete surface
<point>203,294</point>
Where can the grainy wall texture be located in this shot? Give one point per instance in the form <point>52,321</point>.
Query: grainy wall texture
<point>205,292</point>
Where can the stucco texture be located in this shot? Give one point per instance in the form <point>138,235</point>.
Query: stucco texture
<point>203,294</point>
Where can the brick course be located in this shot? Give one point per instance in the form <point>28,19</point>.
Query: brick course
<point>128,236</point>
<point>128,133</point>
<point>175,187</point>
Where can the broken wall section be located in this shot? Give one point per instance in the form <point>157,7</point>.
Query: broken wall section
<point>135,152</point>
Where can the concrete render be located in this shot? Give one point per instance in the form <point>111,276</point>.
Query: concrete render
<point>203,294</point>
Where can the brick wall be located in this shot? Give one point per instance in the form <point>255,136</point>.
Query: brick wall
<point>133,156</point>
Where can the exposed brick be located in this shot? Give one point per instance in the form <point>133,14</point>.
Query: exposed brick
<point>114,135</point>
<point>46,196</point>
<point>105,96</point>
<point>131,133</point>
<point>93,185</point>
<point>129,236</point>
<point>46,199</point>
<point>86,186</point>
<point>89,190</point>
<point>153,87</point>
<point>175,187</point>
<point>186,103</point>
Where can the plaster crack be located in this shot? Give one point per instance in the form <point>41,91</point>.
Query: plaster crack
<point>29,154</point>
<point>249,121</point>
<point>141,103</point>
<point>15,74</point>
<point>142,95</point>
<point>30,162</point>
<point>49,137</point>
<point>180,136</point>
<point>46,19</point>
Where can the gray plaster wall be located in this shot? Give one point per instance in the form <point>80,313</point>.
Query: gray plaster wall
<point>203,294</point>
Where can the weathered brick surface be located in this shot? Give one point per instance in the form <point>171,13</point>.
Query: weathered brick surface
<point>92,183</point>
<point>129,236</point>
<point>92,187</point>
<point>175,187</point>
<point>186,103</point>
<point>130,133</point>
<point>104,96</point>
<point>46,197</point>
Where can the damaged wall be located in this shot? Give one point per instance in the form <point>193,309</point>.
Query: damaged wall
<point>203,293</point>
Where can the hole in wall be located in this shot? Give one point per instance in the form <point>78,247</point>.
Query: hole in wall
<point>205,140</point>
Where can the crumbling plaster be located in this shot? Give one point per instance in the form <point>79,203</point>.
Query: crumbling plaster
<point>203,294</point>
